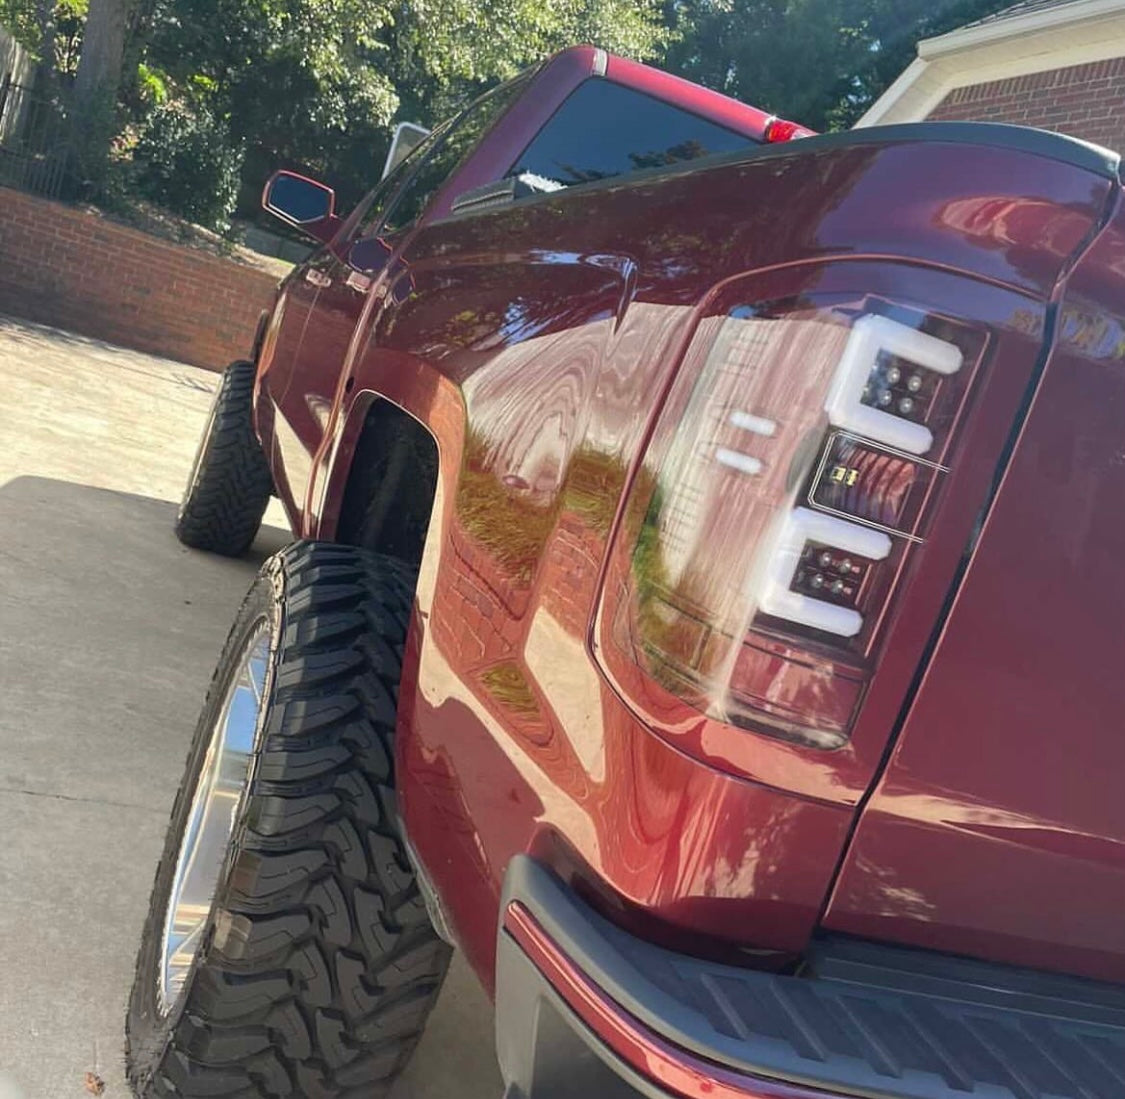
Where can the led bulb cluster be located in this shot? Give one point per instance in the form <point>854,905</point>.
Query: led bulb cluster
<point>829,574</point>
<point>883,385</point>
<point>885,364</point>
<point>791,547</point>
<point>899,388</point>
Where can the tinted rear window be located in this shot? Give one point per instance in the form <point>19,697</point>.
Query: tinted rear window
<point>459,139</point>
<point>605,129</point>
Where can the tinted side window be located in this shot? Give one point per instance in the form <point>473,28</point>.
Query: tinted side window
<point>605,129</point>
<point>461,137</point>
<point>374,205</point>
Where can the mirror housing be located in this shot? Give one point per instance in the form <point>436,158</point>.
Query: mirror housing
<point>303,203</point>
<point>407,137</point>
<point>368,255</point>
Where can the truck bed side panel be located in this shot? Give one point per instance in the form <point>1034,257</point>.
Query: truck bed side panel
<point>999,826</point>
<point>553,326</point>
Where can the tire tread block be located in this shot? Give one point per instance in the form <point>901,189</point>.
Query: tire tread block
<point>222,510</point>
<point>318,947</point>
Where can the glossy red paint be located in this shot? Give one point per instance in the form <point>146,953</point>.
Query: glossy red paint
<point>301,375</point>
<point>702,101</point>
<point>999,826</point>
<point>677,1071</point>
<point>297,361</point>
<point>515,741</point>
<point>537,342</point>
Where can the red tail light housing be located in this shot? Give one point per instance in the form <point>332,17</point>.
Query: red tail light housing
<point>787,481</point>
<point>781,129</point>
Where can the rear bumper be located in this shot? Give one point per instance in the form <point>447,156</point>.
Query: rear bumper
<point>585,1011</point>
<point>561,1037</point>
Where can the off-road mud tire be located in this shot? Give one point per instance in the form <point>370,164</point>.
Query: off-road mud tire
<point>319,964</point>
<point>230,482</point>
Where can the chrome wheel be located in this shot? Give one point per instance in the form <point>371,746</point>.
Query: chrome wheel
<point>200,451</point>
<point>210,819</point>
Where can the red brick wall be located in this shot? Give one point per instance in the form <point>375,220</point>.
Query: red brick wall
<point>75,270</point>
<point>1086,101</point>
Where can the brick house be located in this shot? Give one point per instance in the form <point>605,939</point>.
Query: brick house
<point>1055,64</point>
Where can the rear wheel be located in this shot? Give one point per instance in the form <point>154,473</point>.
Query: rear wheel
<point>287,949</point>
<point>230,482</point>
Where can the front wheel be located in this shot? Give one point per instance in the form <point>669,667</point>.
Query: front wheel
<point>230,482</point>
<point>287,949</point>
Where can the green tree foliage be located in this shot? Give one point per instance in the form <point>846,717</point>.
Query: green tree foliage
<point>295,82</point>
<point>186,161</point>
<point>820,62</point>
<point>21,19</point>
<point>316,83</point>
<point>895,28</point>
<point>47,26</point>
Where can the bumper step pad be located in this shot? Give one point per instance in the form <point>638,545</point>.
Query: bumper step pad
<point>865,1020</point>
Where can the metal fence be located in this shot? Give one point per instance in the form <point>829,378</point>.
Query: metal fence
<point>34,141</point>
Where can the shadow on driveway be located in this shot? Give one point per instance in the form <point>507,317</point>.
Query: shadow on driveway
<point>109,630</point>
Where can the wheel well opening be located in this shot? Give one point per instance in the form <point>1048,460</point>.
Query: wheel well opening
<point>389,495</point>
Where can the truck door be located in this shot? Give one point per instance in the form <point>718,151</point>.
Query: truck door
<point>323,303</point>
<point>341,278</point>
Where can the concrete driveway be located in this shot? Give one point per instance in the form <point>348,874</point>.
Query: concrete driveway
<point>109,629</point>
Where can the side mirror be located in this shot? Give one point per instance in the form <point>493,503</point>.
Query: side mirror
<point>368,255</point>
<point>407,137</point>
<point>304,203</point>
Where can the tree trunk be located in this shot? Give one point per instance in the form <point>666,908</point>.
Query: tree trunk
<point>45,17</point>
<point>137,33</point>
<point>95,88</point>
<point>103,48</point>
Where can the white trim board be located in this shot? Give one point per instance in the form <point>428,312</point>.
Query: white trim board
<point>1072,34</point>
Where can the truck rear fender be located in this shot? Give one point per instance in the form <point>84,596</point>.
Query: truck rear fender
<point>934,249</point>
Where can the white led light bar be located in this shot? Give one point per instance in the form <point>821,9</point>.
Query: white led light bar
<point>735,459</point>
<point>800,526</point>
<point>747,421</point>
<point>871,335</point>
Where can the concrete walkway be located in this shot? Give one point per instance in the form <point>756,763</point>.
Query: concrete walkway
<point>109,629</point>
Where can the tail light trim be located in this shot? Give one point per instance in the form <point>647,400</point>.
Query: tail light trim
<point>767,458</point>
<point>870,337</point>
<point>800,526</point>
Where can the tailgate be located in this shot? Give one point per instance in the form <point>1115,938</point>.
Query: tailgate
<point>998,826</point>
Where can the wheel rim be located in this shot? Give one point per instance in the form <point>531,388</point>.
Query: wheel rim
<point>210,820</point>
<point>201,450</point>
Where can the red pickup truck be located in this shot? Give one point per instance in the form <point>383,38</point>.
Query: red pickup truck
<point>708,615</point>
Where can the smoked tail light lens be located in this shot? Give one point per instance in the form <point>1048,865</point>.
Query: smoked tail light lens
<point>784,488</point>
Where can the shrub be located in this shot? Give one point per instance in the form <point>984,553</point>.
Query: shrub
<point>185,161</point>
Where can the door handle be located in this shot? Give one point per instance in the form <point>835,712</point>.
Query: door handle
<point>317,278</point>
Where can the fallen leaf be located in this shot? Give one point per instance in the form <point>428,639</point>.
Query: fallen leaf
<point>95,1085</point>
